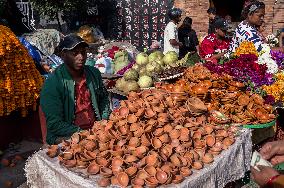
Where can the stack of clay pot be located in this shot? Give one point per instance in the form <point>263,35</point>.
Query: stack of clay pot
<point>154,138</point>
<point>224,95</point>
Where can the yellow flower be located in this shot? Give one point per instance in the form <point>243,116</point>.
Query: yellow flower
<point>246,47</point>
<point>16,66</point>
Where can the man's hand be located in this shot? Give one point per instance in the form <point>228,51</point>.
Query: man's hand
<point>273,151</point>
<point>263,176</point>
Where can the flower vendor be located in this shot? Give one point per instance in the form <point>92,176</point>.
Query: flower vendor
<point>247,30</point>
<point>215,45</point>
<point>74,96</point>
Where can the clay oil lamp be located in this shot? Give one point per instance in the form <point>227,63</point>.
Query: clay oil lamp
<point>106,172</point>
<point>197,165</point>
<point>243,100</point>
<point>210,140</point>
<point>177,179</point>
<point>185,171</point>
<point>131,171</point>
<point>93,168</point>
<point>161,176</point>
<point>123,111</point>
<point>123,179</point>
<point>151,182</point>
<point>208,158</point>
<point>150,170</point>
<point>137,182</point>
<point>156,143</point>
<point>131,118</point>
<point>104,182</point>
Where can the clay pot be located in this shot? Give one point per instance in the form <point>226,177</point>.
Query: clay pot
<point>131,118</point>
<point>228,141</point>
<point>156,143</point>
<point>207,158</point>
<point>132,95</point>
<point>140,112</point>
<point>161,176</point>
<point>102,162</point>
<point>117,161</point>
<point>123,179</point>
<point>152,160</point>
<point>174,134</point>
<point>168,128</point>
<point>123,111</point>
<point>90,145</point>
<point>104,182</point>
<point>131,171</point>
<point>199,89</point>
<point>141,174</point>
<point>200,151</point>
<point>114,180</point>
<point>138,182</point>
<point>197,165</point>
<point>185,171</point>
<point>177,179</point>
<point>243,100</point>
<point>106,172</point>
<point>130,158</point>
<point>134,142</point>
<point>145,140</point>
<point>184,134</point>
<point>93,168</point>
<point>208,129</point>
<point>175,159</point>
<point>164,138</point>
<point>210,140</point>
<point>149,113</point>
<point>70,163</point>
<point>150,170</point>
<point>151,182</point>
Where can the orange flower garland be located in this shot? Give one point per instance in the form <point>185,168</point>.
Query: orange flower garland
<point>246,47</point>
<point>20,81</point>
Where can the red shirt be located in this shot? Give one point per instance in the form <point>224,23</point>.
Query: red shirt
<point>212,45</point>
<point>84,112</point>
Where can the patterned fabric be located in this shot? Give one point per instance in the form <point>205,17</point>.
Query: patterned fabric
<point>84,113</point>
<point>212,45</point>
<point>44,39</point>
<point>246,32</point>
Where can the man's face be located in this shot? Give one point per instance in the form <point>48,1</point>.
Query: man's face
<point>211,16</point>
<point>177,20</point>
<point>76,58</point>
<point>221,33</point>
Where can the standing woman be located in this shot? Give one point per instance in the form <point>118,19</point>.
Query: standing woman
<point>188,37</point>
<point>247,29</point>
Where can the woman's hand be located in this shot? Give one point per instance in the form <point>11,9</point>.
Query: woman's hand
<point>264,175</point>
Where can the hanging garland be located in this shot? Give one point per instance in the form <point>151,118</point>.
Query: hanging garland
<point>20,81</point>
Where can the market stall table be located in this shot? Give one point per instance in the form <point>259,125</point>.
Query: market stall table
<point>230,165</point>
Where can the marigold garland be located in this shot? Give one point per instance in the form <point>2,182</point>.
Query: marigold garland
<point>276,89</point>
<point>246,47</point>
<point>20,81</point>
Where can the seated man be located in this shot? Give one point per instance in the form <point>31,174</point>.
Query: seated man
<point>215,45</point>
<point>73,96</point>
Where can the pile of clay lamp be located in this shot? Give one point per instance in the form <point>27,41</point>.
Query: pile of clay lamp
<point>153,139</point>
<point>223,96</point>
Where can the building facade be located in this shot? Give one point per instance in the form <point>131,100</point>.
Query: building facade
<point>196,9</point>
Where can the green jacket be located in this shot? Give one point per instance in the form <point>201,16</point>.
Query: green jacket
<point>57,101</point>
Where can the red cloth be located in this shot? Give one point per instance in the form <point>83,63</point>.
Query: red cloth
<point>84,112</point>
<point>212,45</point>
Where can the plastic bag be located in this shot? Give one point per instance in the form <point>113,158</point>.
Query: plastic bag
<point>31,49</point>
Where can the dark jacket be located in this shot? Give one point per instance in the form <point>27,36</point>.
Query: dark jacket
<point>189,40</point>
<point>57,101</point>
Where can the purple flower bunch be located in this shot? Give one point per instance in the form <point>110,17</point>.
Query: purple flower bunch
<point>244,69</point>
<point>278,56</point>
